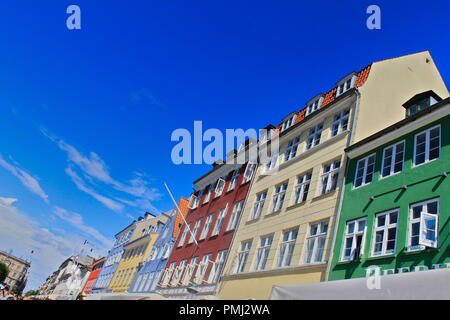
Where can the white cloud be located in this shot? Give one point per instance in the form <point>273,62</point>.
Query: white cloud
<point>25,178</point>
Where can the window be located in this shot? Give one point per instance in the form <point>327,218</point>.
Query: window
<point>278,197</point>
<point>287,248</point>
<point>178,272</point>
<point>206,226</point>
<point>242,256</point>
<point>271,163</point>
<point>330,176</point>
<point>217,268</point>
<point>220,221</point>
<point>202,268</point>
<point>364,171</point>
<point>248,174</point>
<point>259,205</point>
<point>393,157</point>
<point>289,122</point>
<point>316,242</point>
<point>234,179</point>
<point>302,187</point>
<point>314,106</point>
<point>423,222</point>
<point>385,233</point>
<point>340,123</point>
<point>314,136</point>
<point>427,145</point>
<point>237,209</point>
<point>196,228</point>
<point>208,194</point>
<point>291,150</point>
<point>354,239</point>
<point>183,236</point>
<point>263,252</point>
<point>219,187</point>
<point>189,271</point>
<point>345,85</point>
<point>193,203</point>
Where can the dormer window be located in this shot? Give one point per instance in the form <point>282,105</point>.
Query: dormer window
<point>193,202</point>
<point>346,84</point>
<point>420,102</point>
<point>314,105</point>
<point>288,122</point>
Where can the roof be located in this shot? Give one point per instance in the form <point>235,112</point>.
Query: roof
<point>14,258</point>
<point>420,96</point>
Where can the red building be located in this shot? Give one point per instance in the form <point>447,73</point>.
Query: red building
<point>95,268</point>
<point>200,252</point>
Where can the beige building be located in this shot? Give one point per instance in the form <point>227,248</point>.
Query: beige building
<point>285,232</point>
<point>17,269</point>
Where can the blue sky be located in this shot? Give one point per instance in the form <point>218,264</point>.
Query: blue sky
<point>86,116</point>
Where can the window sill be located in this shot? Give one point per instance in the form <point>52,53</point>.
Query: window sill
<point>386,256</point>
<point>420,251</point>
<point>273,213</point>
<point>324,195</point>
<point>293,206</point>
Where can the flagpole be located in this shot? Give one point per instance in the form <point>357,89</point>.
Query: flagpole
<point>176,205</point>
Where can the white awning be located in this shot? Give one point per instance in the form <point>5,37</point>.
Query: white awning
<point>425,285</point>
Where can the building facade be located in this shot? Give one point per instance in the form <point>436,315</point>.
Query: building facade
<point>95,269</point>
<point>396,206</point>
<point>136,251</point>
<point>200,252</point>
<point>18,269</point>
<point>287,225</point>
<point>147,277</point>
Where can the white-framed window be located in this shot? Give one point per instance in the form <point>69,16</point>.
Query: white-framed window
<point>167,250</point>
<point>355,235</point>
<point>316,242</point>
<point>314,106</point>
<point>385,233</point>
<point>248,174</point>
<point>195,231</point>
<point>220,221</point>
<point>423,225</point>
<point>206,226</point>
<point>287,248</point>
<point>168,274</point>
<point>217,268</point>
<point>278,197</point>
<point>242,256</point>
<point>393,157</point>
<point>289,122</point>
<point>234,219</point>
<point>234,179</point>
<point>364,171</point>
<point>330,176</point>
<point>427,145</point>
<point>208,194</point>
<point>186,280</point>
<point>202,268</point>
<point>346,85</point>
<point>259,205</point>
<point>291,150</point>
<point>178,272</point>
<point>340,122</point>
<point>271,163</point>
<point>263,252</point>
<point>302,187</point>
<point>314,136</point>
<point>193,202</point>
<point>184,234</point>
<point>219,187</point>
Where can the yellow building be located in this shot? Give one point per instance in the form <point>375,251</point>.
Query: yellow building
<point>136,251</point>
<point>286,229</point>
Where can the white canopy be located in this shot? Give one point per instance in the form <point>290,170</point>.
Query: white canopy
<point>426,285</point>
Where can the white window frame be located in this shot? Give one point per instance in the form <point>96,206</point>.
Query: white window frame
<point>190,268</point>
<point>193,202</point>
<point>316,238</point>
<point>353,235</point>
<point>234,179</point>
<point>423,204</point>
<point>184,235</point>
<point>291,149</point>
<point>237,211</point>
<point>206,226</point>
<point>423,240</point>
<point>289,122</point>
<point>220,221</point>
<point>329,175</point>
<point>271,163</point>
<point>217,267</point>
<point>394,159</point>
<point>427,145</point>
<point>314,106</point>
<point>258,206</point>
<point>340,121</point>
<point>202,269</point>
<point>301,189</point>
<point>387,226</point>
<point>314,137</point>
<point>287,247</point>
<point>345,85</point>
<point>220,185</point>
<point>208,194</point>
<point>365,163</point>
<point>279,196</point>
<point>263,252</point>
<point>251,167</point>
<point>242,256</point>
<point>193,236</point>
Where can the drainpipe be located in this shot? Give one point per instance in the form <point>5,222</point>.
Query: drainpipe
<point>342,189</point>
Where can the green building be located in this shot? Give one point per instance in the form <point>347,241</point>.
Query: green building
<point>395,210</point>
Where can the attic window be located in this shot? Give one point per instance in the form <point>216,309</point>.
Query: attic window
<point>346,84</point>
<point>287,123</point>
<point>314,105</point>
